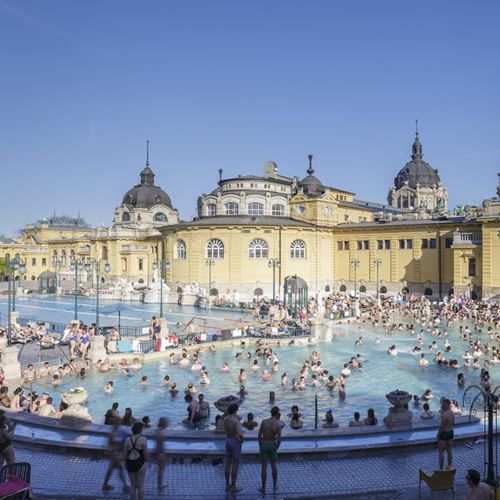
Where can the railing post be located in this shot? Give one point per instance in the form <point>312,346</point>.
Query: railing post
<point>315,411</point>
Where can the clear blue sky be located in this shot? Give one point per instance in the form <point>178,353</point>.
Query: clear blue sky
<point>232,84</point>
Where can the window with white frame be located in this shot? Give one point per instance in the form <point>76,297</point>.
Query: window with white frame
<point>298,249</point>
<point>258,249</point>
<point>278,209</point>
<point>215,249</point>
<point>180,250</point>
<point>211,209</point>
<point>231,208</point>
<point>255,209</point>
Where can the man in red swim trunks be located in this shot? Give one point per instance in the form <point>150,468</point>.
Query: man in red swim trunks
<point>234,440</point>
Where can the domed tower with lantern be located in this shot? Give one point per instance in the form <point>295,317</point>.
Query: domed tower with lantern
<point>146,205</point>
<point>417,187</point>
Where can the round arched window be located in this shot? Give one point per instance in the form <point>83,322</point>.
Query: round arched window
<point>255,209</point>
<point>278,209</point>
<point>215,249</point>
<point>343,288</point>
<point>428,291</point>
<point>258,249</point>
<point>298,249</point>
<point>160,217</point>
<point>231,208</point>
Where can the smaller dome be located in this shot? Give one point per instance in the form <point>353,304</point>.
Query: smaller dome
<point>146,194</point>
<point>310,184</point>
<point>417,171</point>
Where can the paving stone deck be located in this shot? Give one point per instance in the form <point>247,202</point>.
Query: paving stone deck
<point>379,476</point>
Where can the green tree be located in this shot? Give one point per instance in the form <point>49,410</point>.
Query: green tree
<point>3,267</point>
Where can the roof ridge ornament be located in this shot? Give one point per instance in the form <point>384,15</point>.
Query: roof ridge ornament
<point>417,146</point>
<point>147,153</point>
<point>310,170</point>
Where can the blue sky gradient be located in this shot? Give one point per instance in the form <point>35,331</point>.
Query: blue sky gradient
<point>232,84</point>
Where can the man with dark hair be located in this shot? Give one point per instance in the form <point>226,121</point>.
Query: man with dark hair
<point>269,442</point>
<point>112,415</point>
<point>478,490</point>
<point>234,440</point>
<point>445,433</point>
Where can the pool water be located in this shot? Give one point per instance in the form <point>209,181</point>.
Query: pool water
<point>62,310</point>
<point>365,388</point>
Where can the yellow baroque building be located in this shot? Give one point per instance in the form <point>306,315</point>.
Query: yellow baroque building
<point>252,233</point>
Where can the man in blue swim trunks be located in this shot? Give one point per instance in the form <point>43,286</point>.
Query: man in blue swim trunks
<point>234,440</point>
<point>269,442</point>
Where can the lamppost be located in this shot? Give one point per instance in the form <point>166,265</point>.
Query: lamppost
<point>377,263</point>
<point>296,292</point>
<point>16,264</point>
<point>209,263</point>
<point>75,265</point>
<point>355,264</point>
<point>274,263</point>
<point>486,399</point>
<point>163,266</point>
<point>107,267</point>
<point>57,263</point>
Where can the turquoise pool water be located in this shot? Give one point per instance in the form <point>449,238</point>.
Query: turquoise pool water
<point>61,310</point>
<point>365,389</point>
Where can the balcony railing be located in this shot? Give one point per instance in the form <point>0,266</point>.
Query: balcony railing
<point>133,248</point>
<point>466,239</point>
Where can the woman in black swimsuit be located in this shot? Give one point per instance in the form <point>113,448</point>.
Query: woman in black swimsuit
<point>136,453</point>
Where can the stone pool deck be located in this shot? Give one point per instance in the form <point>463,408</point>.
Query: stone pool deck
<point>381,475</point>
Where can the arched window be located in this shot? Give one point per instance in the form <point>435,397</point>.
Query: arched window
<point>298,249</point>
<point>125,217</point>
<point>211,209</point>
<point>215,249</point>
<point>231,208</point>
<point>54,257</point>
<point>255,209</point>
<point>258,249</point>
<point>327,288</point>
<point>181,250</point>
<point>63,257</point>
<point>214,292</point>
<point>160,217</point>
<point>258,292</point>
<point>405,290</point>
<point>362,289</point>
<point>428,291</point>
<point>343,288</point>
<point>278,209</point>
<point>71,256</point>
<point>104,253</point>
<point>383,289</point>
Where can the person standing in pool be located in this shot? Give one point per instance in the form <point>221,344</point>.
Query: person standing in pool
<point>234,440</point>
<point>445,433</point>
<point>269,442</point>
